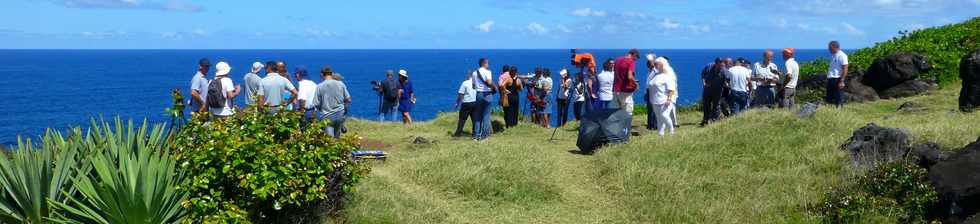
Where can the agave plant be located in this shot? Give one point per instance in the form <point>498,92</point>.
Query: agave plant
<point>31,176</point>
<point>131,178</point>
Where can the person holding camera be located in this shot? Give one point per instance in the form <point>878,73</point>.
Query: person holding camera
<point>485,88</point>
<point>712,78</point>
<point>388,89</point>
<point>766,74</point>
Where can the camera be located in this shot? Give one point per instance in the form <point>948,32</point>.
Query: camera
<point>376,86</point>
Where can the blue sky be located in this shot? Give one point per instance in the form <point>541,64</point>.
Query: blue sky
<point>434,24</point>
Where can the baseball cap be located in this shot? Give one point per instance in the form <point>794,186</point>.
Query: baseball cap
<point>257,65</point>
<point>326,70</point>
<point>222,69</point>
<point>402,72</point>
<point>204,62</point>
<point>789,50</point>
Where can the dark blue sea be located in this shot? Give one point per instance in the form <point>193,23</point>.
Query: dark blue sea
<point>65,88</point>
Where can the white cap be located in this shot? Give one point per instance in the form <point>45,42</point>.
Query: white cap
<point>563,72</point>
<point>222,69</point>
<point>403,73</point>
<point>651,57</point>
<point>258,65</point>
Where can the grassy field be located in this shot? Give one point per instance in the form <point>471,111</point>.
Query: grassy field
<point>759,167</point>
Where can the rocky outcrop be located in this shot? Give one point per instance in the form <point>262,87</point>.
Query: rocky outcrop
<point>892,70</point>
<point>970,75</point>
<point>807,110</point>
<point>872,145</point>
<point>957,181</point>
<point>854,89</point>
<point>909,88</point>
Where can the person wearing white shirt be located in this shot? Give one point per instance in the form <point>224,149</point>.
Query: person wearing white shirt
<point>663,90</point>
<point>544,87</point>
<point>739,81</point>
<point>466,102</point>
<point>788,96</point>
<point>651,113</point>
<point>228,90</point>
<point>482,80</point>
<point>606,79</point>
<point>765,74</point>
<point>836,74</point>
<point>304,95</point>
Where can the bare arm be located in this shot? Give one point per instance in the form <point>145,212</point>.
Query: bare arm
<point>843,77</point>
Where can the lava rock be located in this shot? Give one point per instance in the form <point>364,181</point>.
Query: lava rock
<point>422,141</point>
<point>909,88</point>
<point>957,182</point>
<point>807,110</point>
<point>928,154</point>
<point>855,90</point>
<point>911,107</point>
<point>970,74</point>
<point>872,145</point>
<point>892,70</point>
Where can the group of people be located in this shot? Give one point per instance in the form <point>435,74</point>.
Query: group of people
<point>733,86</point>
<point>729,87</point>
<point>272,93</point>
<point>395,95</point>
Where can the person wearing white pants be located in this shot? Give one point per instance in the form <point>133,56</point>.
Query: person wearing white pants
<point>663,91</point>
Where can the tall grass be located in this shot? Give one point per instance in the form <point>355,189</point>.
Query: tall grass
<point>759,167</point>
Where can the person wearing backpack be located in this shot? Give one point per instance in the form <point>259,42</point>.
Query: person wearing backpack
<point>389,93</point>
<point>221,92</point>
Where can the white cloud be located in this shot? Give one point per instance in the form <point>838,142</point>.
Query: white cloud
<point>667,24</point>
<point>564,29</point>
<point>699,29</point>
<point>318,33</point>
<point>485,26</point>
<point>586,12</point>
<point>164,5</point>
<point>200,32</point>
<point>640,15</point>
<point>850,29</point>
<point>537,29</point>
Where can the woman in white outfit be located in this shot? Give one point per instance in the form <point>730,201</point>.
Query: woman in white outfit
<point>663,91</point>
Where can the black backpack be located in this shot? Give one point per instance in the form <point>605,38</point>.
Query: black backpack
<point>216,96</point>
<point>390,88</point>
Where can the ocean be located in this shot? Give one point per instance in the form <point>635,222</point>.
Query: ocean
<point>66,88</point>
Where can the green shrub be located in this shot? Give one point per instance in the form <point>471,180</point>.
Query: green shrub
<point>897,189</point>
<point>945,46</point>
<point>258,168</point>
<point>130,178</point>
<point>32,175</point>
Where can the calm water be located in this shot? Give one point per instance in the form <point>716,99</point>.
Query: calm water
<point>63,88</point>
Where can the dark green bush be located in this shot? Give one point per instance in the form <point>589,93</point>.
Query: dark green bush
<point>258,168</point>
<point>897,190</point>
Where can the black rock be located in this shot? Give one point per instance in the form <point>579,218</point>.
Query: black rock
<point>892,70</point>
<point>807,110</point>
<point>908,88</point>
<point>911,107</point>
<point>422,141</point>
<point>873,144</point>
<point>928,154</point>
<point>957,181</point>
<point>855,90</point>
<point>970,75</point>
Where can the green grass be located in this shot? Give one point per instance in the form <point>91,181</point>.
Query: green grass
<point>759,167</point>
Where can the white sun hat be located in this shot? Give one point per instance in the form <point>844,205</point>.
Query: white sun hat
<point>222,69</point>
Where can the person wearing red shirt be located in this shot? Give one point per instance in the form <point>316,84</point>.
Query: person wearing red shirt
<point>625,83</point>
